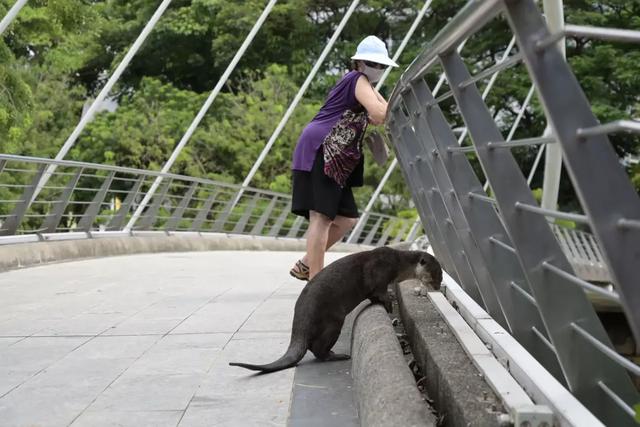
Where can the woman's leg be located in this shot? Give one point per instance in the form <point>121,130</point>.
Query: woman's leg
<point>340,226</point>
<point>317,239</point>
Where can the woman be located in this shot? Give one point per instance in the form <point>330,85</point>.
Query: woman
<point>328,159</point>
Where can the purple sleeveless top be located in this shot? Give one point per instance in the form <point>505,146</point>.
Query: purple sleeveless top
<point>341,98</point>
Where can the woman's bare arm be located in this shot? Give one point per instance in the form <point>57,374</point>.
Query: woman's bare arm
<point>380,98</point>
<point>371,100</point>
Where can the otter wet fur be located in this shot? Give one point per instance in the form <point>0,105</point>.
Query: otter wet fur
<point>336,290</point>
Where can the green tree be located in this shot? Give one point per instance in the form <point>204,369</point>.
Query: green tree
<point>149,123</point>
<point>195,40</point>
<point>143,131</point>
<point>58,53</point>
<point>39,53</point>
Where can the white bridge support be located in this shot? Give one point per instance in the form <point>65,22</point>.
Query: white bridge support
<point>88,116</point>
<point>11,15</point>
<point>554,13</point>
<point>205,107</point>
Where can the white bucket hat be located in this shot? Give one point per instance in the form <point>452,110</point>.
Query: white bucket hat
<point>373,49</point>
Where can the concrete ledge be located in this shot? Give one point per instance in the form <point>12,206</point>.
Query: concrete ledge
<point>14,256</point>
<point>385,390</point>
<point>457,388</point>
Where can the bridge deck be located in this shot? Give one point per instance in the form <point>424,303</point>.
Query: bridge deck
<point>145,340</point>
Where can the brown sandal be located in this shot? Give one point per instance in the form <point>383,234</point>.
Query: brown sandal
<point>300,271</point>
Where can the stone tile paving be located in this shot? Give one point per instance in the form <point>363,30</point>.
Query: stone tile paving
<point>145,340</point>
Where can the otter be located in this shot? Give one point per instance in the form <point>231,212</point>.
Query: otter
<point>336,290</point>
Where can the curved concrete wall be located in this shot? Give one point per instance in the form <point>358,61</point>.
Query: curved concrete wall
<point>20,255</point>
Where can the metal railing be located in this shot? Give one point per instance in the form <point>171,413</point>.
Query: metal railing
<point>583,253</point>
<point>87,197</point>
<point>501,246</point>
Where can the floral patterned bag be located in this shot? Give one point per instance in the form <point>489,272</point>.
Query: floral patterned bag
<point>342,147</point>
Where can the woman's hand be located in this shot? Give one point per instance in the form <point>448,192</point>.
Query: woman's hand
<point>375,122</point>
<point>371,100</point>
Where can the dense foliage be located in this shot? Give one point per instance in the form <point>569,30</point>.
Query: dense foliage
<point>59,53</point>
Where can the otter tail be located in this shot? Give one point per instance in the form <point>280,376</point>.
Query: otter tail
<point>294,354</point>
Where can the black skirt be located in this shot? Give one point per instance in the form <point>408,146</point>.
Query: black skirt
<point>314,191</point>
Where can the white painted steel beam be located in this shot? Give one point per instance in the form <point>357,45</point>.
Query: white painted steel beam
<point>88,116</point>
<point>492,81</point>
<point>406,39</point>
<point>10,16</point>
<point>554,12</point>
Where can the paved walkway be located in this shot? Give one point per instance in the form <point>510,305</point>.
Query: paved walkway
<point>145,340</point>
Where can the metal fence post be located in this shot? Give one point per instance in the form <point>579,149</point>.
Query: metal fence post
<point>275,230</point>
<point>149,218</point>
<point>257,229</point>
<point>221,220</point>
<point>11,224</point>
<point>118,219</point>
<point>386,233</point>
<point>197,223</point>
<point>248,210</point>
<point>94,208</point>
<point>178,213</point>
<point>295,227</point>
<point>371,234</point>
<point>52,221</point>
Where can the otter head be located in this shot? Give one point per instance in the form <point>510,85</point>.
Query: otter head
<point>428,270</point>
